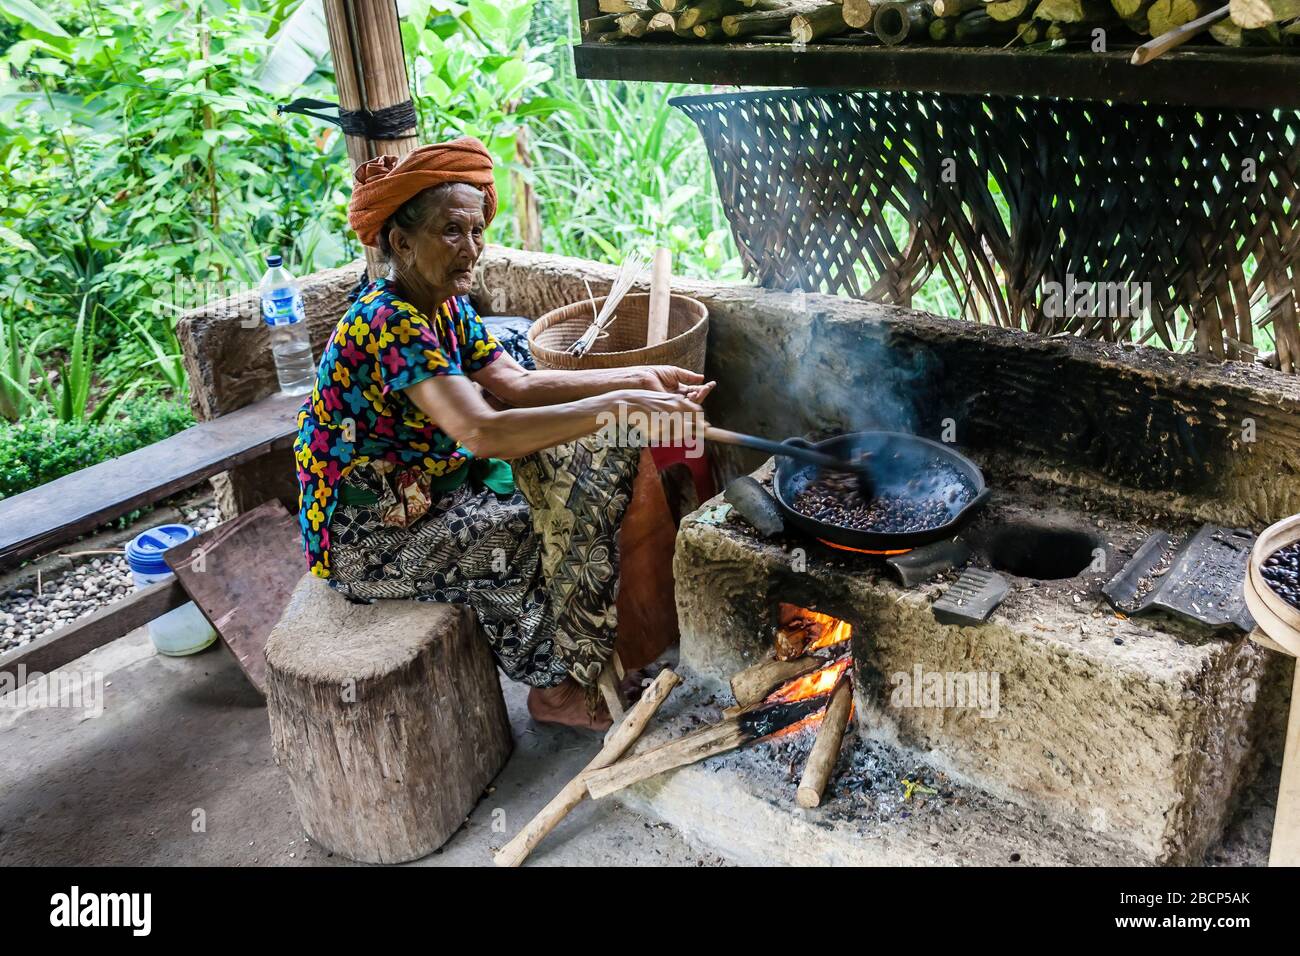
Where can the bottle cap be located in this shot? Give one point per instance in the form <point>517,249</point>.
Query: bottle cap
<point>274,262</point>
<point>144,553</point>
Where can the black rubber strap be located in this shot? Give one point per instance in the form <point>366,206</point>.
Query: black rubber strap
<point>390,122</point>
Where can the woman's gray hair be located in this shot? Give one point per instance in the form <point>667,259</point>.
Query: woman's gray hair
<point>415,212</point>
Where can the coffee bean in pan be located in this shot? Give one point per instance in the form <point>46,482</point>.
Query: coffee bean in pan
<point>1281,570</point>
<point>917,504</point>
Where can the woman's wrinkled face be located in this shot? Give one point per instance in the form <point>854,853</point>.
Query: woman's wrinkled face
<point>441,252</point>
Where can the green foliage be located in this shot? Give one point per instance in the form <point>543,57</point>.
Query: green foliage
<point>625,170</point>
<point>141,160</point>
<point>17,362</point>
<point>145,170</point>
<point>613,166</point>
<point>33,452</point>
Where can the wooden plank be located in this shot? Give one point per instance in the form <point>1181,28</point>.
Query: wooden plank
<point>1195,77</point>
<point>59,511</point>
<point>95,630</point>
<point>241,575</point>
<point>1285,847</point>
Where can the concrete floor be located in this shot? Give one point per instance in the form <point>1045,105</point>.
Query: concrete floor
<point>178,771</point>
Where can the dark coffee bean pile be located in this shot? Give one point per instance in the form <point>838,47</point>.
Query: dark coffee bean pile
<point>1282,572</point>
<point>915,505</point>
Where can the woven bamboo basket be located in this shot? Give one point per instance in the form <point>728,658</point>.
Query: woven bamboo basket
<point>1279,621</point>
<point>623,341</point>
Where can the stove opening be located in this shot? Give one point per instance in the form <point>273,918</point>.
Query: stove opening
<point>1042,552</point>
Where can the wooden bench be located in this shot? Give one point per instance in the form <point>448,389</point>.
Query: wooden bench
<point>39,520</point>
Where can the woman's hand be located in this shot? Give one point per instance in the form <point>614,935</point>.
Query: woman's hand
<point>670,378</point>
<point>665,418</point>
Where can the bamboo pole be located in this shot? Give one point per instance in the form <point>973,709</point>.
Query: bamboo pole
<point>575,791</point>
<point>898,22</point>
<point>370,72</point>
<point>1177,36</point>
<point>955,8</point>
<point>661,277</point>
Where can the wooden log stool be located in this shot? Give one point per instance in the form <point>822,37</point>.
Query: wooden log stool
<point>388,719</point>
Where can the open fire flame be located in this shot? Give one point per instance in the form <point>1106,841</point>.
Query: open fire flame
<point>802,631</point>
<point>845,547</point>
<point>830,632</point>
<point>811,685</point>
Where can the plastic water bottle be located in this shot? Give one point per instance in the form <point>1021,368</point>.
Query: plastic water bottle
<point>283,312</point>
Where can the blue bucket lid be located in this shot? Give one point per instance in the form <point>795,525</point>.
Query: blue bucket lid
<point>145,552</point>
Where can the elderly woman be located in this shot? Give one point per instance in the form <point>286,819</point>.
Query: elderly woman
<point>419,427</point>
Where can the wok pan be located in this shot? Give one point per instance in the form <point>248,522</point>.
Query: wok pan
<point>896,458</point>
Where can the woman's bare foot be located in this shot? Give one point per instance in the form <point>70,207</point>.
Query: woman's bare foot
<point>566,704</point>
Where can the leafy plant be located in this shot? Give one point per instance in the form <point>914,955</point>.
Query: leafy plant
<point>142,157</point>
<point>17,362</point>
<point>71,400</point>
<point>35,451</point>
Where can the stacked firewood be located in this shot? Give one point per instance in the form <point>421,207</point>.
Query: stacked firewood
<point>957,22</point>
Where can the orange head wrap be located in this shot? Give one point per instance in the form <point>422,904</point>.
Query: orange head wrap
<point>381,186</point>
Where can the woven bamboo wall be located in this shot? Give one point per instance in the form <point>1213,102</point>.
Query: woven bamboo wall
<point>1194,213</point>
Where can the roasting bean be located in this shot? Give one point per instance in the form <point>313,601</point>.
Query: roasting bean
<point>915,504</point>
<point>1281,570</point>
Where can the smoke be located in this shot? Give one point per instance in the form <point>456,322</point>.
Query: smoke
<point>856,381</point>
<point>852,379</point>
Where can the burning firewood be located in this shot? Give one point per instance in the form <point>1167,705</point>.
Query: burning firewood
<point>792,639</point>
<point>753,724</point>
<point>826,749</point>
<point>793,702</point>
<point>624,736</point>
<point>754,683</point>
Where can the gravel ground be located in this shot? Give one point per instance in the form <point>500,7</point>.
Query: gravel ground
<point>27,613</point>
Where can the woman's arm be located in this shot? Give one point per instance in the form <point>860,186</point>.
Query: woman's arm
<point>515,385</point>
<point>456,406</point>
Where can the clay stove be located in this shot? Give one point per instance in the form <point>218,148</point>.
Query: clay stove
<point>1056,731</point>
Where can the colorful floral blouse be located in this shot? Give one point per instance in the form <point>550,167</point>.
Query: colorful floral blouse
<point>357,411</point>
